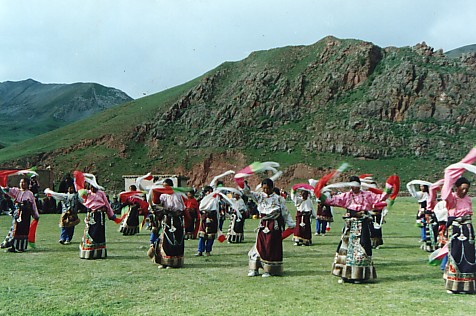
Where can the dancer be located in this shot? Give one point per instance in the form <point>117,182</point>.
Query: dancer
<point>191,216</point>
<point>460,271</point>
<point>425,217</point>
<point>376,237</point>
<point>305,209</point>
<point>324,217</point>
<point>210,213</point>
<point>237,221</point>
<point>209,208</point>
<point>93,243</point>
<point>25,208</point>
<point>267,253</point>
<point>353,260</point>
<point>169,246</point>
<point>133,205</point>
<point>442,215</point>
<point>69,213</point>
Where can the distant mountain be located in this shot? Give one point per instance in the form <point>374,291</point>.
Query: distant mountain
<point>408,110</point>
<point>458,52</point>
<point>29,108</point>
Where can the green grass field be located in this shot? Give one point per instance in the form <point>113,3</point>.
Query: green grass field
<point>52,280</point>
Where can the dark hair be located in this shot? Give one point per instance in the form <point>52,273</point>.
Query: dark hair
<point>426,188</point>
<point>133,187</point>
<point>207,189</point>
<point>354,178</point>
<point>462,180</point>
<point>268,182</point>
<point>169,182</point>
<point>27,181</point>
<point>277,191</point>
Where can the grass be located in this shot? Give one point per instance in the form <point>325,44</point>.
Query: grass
<point>52,280</point>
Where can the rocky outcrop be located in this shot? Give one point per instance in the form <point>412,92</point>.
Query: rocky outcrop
<point>338,96</point>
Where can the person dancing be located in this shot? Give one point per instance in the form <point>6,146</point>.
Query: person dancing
<point>267,253</point>
<point>93,243</point>
<point>25,208</point>
<point>353,259</point>
<point>305,210</point>
<point>460,270</point>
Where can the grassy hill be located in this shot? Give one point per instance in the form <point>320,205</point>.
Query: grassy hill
<point>29,108</point>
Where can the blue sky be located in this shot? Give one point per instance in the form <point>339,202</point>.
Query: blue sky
<point>145,46</point>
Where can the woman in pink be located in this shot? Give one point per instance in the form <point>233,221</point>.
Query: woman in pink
<point>93,243</point>
<point>460,269</point>
<point>353,259</point>
<point>25,208</point>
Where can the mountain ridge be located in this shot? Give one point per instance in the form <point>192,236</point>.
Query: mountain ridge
<point>38,107</point>
<point>384,110</point>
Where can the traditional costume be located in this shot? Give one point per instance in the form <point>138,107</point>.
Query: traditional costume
<point>376,237</point>
<point>236,229</point>
<point>169,246</point>
<point>353,259</point>
<point>324,217</point>
<point>25,208</point>
<point>209,210</point>
<point>191,218</point>
<point>425,216</point>
<point>267,253</point>
<point>460,271</point>
<point>133,206</point>
<point>93,243</point>
<point>305,210</point>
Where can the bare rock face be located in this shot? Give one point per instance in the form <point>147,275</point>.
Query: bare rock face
<point>338,96</point>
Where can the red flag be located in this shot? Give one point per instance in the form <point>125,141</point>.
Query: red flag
<point>287,232</point>
<point>78,180</point>
<point>322,183</point>
<point>394,182</point>
<point>32,233</point>
<point>4,174</point>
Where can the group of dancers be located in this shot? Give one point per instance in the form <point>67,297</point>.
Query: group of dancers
<point>175,215</point>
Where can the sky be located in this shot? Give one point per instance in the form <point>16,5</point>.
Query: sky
<point>146,46</point>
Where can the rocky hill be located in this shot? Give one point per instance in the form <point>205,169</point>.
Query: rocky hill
<point>347,97</point>
<point>29,108</point>
<point>408,110</point>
